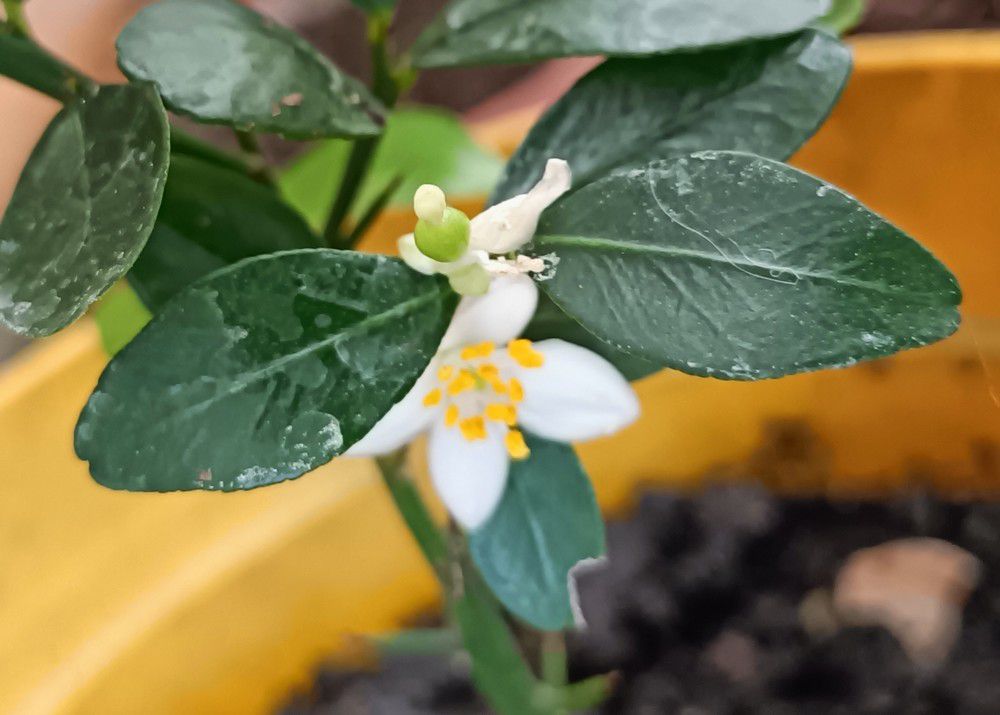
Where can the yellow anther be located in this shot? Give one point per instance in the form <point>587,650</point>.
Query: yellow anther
<point>498,386</point>
<point>515,390</point>
<point>481,350</point>
<point>500,412</point>
<point>516,446</point>
<point>473,428</point>
<point>445,373</point>
<point>488,371</point>
<point>465,381</point>
<point>432,398</point>
<point>451,416</point>
<point>524,353</point>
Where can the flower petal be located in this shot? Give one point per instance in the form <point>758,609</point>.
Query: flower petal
<point>575,395</point>
<point>470,477</point>
<point>411,255</point>
<point>499,316</point>
<point>402,423</point>
<point>512,223</point>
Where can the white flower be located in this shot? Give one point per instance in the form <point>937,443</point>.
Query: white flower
<point>484,385</point>
<point>499,230</point>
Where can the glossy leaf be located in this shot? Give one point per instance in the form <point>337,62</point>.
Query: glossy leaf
<point>736,266</point>
<point>425,146</point>
<point>262,371</point>
<point>120,315</point>
<point>210,218</point>
<point>486,31</point>
<point>550,321</point>
<point>219,62</point>
<point>547,522</point>
<point>767,98</point>
<point>83,207</point>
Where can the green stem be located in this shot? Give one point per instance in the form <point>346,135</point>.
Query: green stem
<point>16,20</point>
<point>256,166</point>
<point>387,84</point>
<point>415,513</point>
<point>553,658</point>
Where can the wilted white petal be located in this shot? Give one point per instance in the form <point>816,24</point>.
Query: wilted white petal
<point>512,223</point>
<point>470,477</point>
<point>575,395</point>
<point>500,315</point>
<point>402,423</point>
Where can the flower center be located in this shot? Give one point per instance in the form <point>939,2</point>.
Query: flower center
<point>477,385</point>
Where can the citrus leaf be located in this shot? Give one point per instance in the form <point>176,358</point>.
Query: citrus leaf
<point>262,371</point>
<point>210,218</point>
<point>221,63</point>
<point>765,97</point>
<point>736,266</point>
<point>547,522</point>
<point>488,31</point>
<point>83,207</point>
<point>844,16</point>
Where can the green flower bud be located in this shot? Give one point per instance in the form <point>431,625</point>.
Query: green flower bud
<point>445,241</point>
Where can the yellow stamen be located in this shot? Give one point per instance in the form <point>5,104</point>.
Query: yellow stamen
<point>516,446</point>
<point>473,428</point>
<point>465,381</point>
<point>488,371</point>
<point>524,354</point>
<point>516,390</point>
<point>481,350</point>
<point>451,416</point>
<point>432,398</point>
<point>499,412</point>
<point>445,373</point>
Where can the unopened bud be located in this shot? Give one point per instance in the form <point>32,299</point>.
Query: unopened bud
<point>429,204</point>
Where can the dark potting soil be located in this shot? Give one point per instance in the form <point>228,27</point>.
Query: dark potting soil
<point>698,610</point>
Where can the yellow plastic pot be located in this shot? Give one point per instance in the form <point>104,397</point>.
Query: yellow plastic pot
<point>114,603</point>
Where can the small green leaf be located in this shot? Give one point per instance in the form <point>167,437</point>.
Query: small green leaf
<point>766,98</point>
<point>83,207</point>
<point>262,371</point>
<point>425,146</point>
<point>735,266</point>
<point>119,315</point>
<point>489,31</point>
<point>211,217</point>
<point>221,63</point>
<point>547,522</point>
<point>844,16</point>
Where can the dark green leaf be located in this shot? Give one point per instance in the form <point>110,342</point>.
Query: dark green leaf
<point>844,16</point>
<point>736,266</point>
<point>211,217</point>
<point>485,31</point>
<point>550,321</point>
<point>119,315</point>
<point>766,98</point>
<point>262,371</point>
<point>83,207</point>
<point>221,63</point>
<point>24,61</point>
<point>426,146</point>
<point>547,522</point>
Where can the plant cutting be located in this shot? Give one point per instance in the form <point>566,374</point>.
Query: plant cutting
<point>647,222</point>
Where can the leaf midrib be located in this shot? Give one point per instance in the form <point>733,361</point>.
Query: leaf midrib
<point>245,379</point>
<point>618,245</point>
